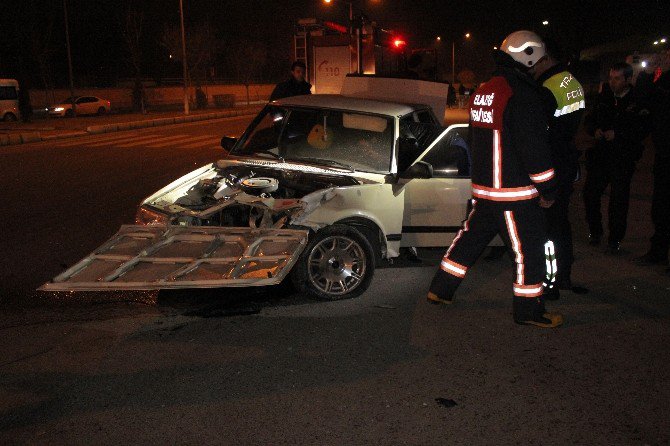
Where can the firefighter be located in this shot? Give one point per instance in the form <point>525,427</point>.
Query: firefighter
<point>512,177</point>
<point>563,99</point>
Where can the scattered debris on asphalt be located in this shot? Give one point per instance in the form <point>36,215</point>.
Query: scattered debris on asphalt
<point>445,402</point>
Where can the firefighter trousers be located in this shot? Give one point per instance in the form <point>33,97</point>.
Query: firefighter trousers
<point>521,225</point>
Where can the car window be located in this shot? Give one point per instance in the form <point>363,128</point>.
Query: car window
<point>81,101</point>
<point>361,141</point>
<point>263,133</point>
<point>450,157</point>
<point>8,93</point>
<point>415,138</point>
<point>425,116</point>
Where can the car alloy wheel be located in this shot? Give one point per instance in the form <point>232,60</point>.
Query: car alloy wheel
<point>336,265</point>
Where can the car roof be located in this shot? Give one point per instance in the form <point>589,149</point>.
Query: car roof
<point>339,102</point>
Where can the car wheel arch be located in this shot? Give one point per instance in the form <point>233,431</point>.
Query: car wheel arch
<point>371,230</point>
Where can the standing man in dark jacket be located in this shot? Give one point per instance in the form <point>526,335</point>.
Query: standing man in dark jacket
<point>563,100</point>
<point>512,176</point>
<point>295,86</point>
<point>659,104</point>
<point>619,123</point>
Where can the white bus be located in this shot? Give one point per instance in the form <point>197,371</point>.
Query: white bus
<point>9,100</point>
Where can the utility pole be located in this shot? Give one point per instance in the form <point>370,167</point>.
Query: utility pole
<point>359,37</point>
<point>453,63</point>
<point>69,57</point>
<point>183,56</point>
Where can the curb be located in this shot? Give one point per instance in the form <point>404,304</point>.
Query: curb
<point>28,137</point>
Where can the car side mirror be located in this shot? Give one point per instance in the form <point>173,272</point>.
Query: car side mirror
<point>418,170</point>
<point>228,142</point>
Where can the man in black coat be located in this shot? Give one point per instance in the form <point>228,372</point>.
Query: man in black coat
<point>659,104</point>
<point>619,123</point>
<point>295,86</point>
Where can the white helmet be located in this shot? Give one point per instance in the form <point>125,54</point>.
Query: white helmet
<point>525,47</point>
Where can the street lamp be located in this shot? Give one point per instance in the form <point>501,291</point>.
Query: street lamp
<point>453,59</point>
<point>183,55</point>
<point>545,22</point>
<point>69,57</point>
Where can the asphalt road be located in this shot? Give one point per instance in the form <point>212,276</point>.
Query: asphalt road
<point>268,366</point>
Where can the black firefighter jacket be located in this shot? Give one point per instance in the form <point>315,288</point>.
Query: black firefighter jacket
<point>511,158</point>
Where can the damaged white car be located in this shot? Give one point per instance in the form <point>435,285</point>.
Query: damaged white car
<point>319,188</point>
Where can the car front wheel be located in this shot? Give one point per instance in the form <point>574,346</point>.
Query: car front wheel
<point>338,263</point>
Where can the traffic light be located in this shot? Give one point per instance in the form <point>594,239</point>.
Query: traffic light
<point>399,43</point>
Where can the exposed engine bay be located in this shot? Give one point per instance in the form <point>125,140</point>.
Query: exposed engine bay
<point>244,196</point>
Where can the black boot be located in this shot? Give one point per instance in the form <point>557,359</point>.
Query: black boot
<point>531,311</point>
<point>552,293</point>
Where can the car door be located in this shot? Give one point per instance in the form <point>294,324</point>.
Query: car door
<point>83,106</point>
<point>435,208</point>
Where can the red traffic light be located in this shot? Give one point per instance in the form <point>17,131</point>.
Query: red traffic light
<point>399,43</point>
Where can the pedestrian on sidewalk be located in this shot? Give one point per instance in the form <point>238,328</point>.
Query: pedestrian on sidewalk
<point>451,96</point>
<point>619,123</point>
<point>512,177</point>
<point>296,85</point>
<point>563,100</point>
<point>659,104</point>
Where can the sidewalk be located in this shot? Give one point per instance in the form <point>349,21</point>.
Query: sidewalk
<point>42,129</point>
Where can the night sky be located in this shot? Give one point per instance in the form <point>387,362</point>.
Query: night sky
<point>99,54</point>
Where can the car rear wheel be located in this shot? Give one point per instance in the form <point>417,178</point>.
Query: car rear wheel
<point>338,263</point>
<point>9,117</point>
<point>69,113</point>
<point>101,111</point>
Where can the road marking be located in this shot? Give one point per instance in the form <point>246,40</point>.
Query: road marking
<point>127,141</point>
<point>93,140</point>
<point>201,143</point>
<point>155,140</point>
<point>187,139</point>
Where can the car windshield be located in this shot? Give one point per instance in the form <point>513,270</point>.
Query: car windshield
<point>330,137</point>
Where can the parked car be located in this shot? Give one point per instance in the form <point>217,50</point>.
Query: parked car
<point>320,188</point>
<point>84,105</point>
<point>9,100</point>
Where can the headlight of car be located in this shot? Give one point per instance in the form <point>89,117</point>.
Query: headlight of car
<point>148,217</point>
<point>59,109</point>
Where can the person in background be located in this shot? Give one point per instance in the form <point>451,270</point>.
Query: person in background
<point>296,85</point>
<point>563,100</point>
<point>451,96</point>
<point>619,123</point>
<point>658,85</point>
